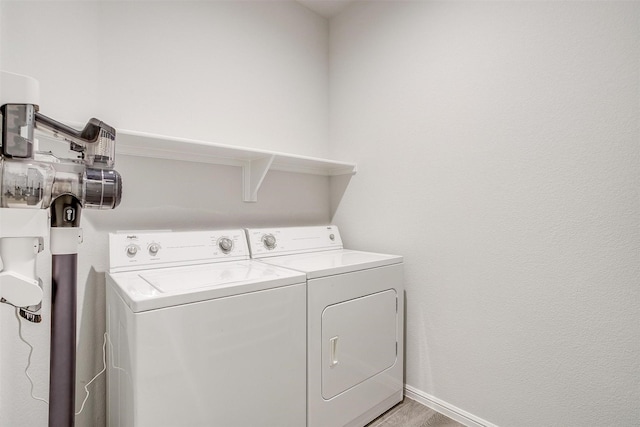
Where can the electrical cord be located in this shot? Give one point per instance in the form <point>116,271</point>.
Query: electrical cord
<point>104,368</point>
<point>26,369</point>
<point>86,386</point>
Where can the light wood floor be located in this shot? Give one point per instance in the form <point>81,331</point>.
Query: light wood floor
<point>410,413</point>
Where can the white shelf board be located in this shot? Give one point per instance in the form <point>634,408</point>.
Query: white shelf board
<point>255,163</point>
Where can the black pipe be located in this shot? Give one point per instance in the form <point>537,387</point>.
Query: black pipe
<point>65,213</point>
<point>62,382</point>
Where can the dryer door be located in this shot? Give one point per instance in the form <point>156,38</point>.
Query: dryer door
<point>358,340</point>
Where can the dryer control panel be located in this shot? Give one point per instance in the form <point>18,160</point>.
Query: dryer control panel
<point>267,242</point>
<point>142,250</point>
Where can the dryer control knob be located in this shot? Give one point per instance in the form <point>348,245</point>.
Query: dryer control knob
<point>225,244</point>
<point>132,250</point>
<point>269,241</point>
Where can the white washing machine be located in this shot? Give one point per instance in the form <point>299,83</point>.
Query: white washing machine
<point>201,335</point>
<point>355,311</point>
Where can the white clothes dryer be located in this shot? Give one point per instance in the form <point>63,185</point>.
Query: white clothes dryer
<point>201,335</point>
<point>355,312</point>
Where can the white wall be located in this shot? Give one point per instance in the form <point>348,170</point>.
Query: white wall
<point>498,140</point>
<point>498,151</point>
<point>241,73</point>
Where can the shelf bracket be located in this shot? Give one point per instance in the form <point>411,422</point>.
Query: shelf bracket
<point>253,173</point>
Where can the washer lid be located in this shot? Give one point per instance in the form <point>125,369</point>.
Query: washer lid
<point>165,287</point>
<point>327,263</point>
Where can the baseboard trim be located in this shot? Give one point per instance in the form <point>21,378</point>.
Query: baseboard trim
<point>445,408</point>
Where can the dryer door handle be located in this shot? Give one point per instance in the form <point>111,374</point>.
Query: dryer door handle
<point>333,351</point>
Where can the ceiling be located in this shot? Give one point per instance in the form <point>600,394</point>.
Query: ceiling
<point>326,8</point>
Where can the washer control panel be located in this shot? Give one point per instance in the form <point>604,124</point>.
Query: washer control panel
<point>138,250</point>
<point>265,242</point>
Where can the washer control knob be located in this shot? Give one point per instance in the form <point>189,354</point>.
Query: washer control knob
<point>225,244</point>
<point>332,237</point>
<point>154,248</point>
<point>269,241</point>
<point>132,250</point>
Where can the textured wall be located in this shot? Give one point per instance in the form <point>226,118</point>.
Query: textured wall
<point>239,73</point>
<point>498,151</point>
<point>499,142</point>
